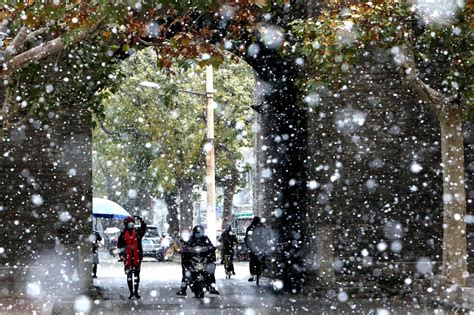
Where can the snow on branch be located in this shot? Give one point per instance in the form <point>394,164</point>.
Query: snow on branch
<point>31,36</point>
<point>42,51</point>
<point>16,43</point>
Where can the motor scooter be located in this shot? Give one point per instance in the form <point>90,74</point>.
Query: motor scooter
<point>201,265</point>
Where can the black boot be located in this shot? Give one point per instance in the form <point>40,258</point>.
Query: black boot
<point>130,286</point>
<point>94,271</point>
<point>136,292</point>
<point>213,291</point>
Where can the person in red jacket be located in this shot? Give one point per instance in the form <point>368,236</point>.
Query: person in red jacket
<point>131,252</point>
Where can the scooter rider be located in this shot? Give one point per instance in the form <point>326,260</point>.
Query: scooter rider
<point>198,238</point>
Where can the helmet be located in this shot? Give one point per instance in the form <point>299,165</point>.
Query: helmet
<point>256,220</point>
<point>198,231</point>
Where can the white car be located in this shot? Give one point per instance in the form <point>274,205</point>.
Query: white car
<point>152,248</point>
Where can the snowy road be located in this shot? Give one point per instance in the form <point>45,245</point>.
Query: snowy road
<point>160,281</point>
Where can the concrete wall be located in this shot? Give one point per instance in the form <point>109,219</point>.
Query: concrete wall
<point>469,161</point>
<point>376,160</point>
<point>374,178</point>
<point>45,202</point>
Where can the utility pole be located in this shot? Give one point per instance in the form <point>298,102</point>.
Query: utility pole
<point>210,158</point>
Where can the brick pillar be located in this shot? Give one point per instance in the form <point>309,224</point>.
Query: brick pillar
<point>46,180</point>
<point>375,162</point>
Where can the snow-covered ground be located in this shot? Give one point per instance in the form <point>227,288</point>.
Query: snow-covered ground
<point>160,282</point>
<point>111,273</point>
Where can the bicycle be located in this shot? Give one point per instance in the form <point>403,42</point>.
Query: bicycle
<point>259,269</point>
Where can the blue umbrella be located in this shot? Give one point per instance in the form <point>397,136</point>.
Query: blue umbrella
<point>103,208</point>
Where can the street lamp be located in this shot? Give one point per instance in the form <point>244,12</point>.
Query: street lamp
<point>211,217</point>
<point>149,84</point>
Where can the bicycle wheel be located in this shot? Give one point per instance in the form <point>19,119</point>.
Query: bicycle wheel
<point>227,266</point>
<point>258,273</point>
<point>259,270</point>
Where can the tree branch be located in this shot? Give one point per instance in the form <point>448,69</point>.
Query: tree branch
<point>15,46</point>
<point>42,51</point>
<point>145,43</point>
<point>31,36</point>
<point>435,100</point>
<point>112,133</point>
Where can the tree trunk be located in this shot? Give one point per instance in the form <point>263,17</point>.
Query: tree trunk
<point>284,128</point>
<point>454,198</point>
<point>229,191</point>
<point>454,265</point>
<point>186,207</point>
<point>172,217</point>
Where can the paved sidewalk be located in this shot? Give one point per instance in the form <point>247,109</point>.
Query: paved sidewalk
<point>160,281</point>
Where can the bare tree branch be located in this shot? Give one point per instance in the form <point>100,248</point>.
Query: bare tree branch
<point>15,46</point>
<point>112,133</point>
<point>43,51</point>
<point>31,36</point>
<point>435,100</point>
<point>145,42</point>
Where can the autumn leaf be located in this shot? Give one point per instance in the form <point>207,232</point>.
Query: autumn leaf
<point>167,63</point>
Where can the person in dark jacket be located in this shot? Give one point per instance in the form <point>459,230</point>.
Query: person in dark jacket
<point>254,239</point>
<point>199,238</point>
<point>184,279</point>
<point>131,252</point>
<point>228,240</point>
<point>95,252</point>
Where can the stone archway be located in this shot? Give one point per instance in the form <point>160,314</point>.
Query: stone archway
<point>49,158</point>
<point>57,138</point>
